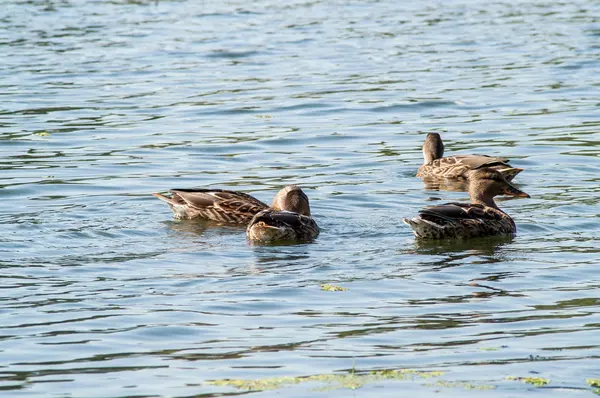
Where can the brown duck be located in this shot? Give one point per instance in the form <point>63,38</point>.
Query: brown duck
<point>481,217</point>
<point>458,166</point>
<point>224,206</point>
<point>290,222</point>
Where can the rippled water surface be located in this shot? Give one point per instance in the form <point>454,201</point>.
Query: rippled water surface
<point>104,102</point>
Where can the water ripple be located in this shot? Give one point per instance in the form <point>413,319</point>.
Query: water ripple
<point>104,102</point>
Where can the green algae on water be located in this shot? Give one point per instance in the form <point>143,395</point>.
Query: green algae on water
<point>460,384</point>
<point>350,380</point>
<point>332,288</point>
<point>593,382</point>
<point>536,381</point>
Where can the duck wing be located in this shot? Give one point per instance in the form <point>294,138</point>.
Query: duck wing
<point>214,204</point>
<point>459,166</point>
<point>474,161</point>
<point>460,211</point>
<point>227,200</point>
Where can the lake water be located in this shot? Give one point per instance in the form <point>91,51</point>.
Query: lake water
<point>104,102</point>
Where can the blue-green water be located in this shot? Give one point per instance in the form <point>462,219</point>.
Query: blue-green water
<point>103,102</point>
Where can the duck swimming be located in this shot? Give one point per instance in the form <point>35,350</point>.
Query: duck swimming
<point>223,206</point>
<point>481,217</point>
<point>458,166</point>
<point>290,222</point>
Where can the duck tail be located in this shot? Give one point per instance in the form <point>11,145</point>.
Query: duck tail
<point>510,172</point>
<point>414,223</point>
<point>410,221</point>
<point>163,198</point>
<point>421,227</point>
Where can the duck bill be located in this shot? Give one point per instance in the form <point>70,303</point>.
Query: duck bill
<point>512,191</point>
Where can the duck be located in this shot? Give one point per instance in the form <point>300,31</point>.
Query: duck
<point>436,166</point>
<point>481,217</point>
<point>293,222</point>
<point>223,206</point>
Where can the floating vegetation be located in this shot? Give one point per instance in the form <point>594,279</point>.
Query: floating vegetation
<point>489,349</point>
<point>460,384</point>
<point>332,288</point>
<point>536,381</point>
<point>42,134</point>
<point>593,382</point>
<point>351,380</point>
<point>257,385</point>
<point>404,373</point>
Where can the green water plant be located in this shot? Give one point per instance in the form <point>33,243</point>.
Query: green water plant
<point>594,383</point>
<point>536,381</point>
<point>351,380</point>
<point>460,384</point>
<point>332,288</point>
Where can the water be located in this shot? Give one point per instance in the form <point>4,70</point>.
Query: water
<point>104,102</point>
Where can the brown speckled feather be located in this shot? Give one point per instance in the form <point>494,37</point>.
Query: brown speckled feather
<point>213,204</point>
<point>271,225</point>
<point>459,166</point>
<point>461,220</point>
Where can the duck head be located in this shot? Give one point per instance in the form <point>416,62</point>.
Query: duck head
<point>292,198</point>
<point>485,183</point>
<point>433,148</point>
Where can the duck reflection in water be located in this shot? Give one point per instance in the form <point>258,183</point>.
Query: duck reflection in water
<point>194,235</point>
<point>486,251</point>
<point>433,184</point>
<point>288,257</point>
<point>458,250</point>
<point>196,228</point>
